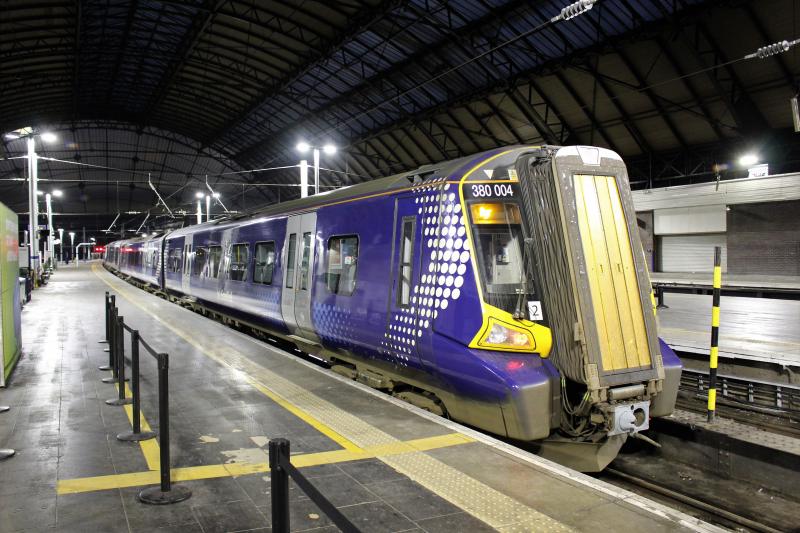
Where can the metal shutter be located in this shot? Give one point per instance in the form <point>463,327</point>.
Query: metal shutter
<point>692,253</point>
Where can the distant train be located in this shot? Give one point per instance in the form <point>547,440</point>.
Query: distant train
<point>506,290</point>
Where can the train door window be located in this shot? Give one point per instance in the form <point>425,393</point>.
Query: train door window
<point>187,257</point>
<point>305,263</point>
<point>290,259</point>
<point>264,263</point>
<point>200,258</point>
<point>342,263</point>
<point>405,269</point>
<point>174,260</point>
<point>237,271</point>
<point>214,261</point>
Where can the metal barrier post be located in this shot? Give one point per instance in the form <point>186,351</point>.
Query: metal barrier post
<point>714,352</point>
<point>108,331</point>
<point>113,345</point>
<point>167,492</point>
<point>6,453</point>
<point>136,435</point>
<point>279,485</point>
<point>120,355</point>
<point>105,340</point>
<point>112,304</point>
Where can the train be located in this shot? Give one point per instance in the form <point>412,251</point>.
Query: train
<point>506,290</point>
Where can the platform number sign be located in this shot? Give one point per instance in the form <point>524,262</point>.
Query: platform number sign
<point>535,310</point>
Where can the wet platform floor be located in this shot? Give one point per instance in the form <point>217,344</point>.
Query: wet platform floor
<point>386,466</point>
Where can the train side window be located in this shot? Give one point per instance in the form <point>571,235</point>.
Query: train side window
<point>214,261</point>
<point>406,261</point>
<point>200,258</point>
<point>237,271</point>
<point>264,263</point>
<point>342,264</point>
<point>290,259</point>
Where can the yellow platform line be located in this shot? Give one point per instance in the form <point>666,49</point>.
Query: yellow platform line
<point>191,473</point>
<point>326,430</point>
<point>150,448</point>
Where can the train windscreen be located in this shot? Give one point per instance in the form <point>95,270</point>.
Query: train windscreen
<point>498,236</point>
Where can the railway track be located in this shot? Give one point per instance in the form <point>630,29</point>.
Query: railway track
<point>708,511</point>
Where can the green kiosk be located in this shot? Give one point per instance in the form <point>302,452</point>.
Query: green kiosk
<point>10,320</point>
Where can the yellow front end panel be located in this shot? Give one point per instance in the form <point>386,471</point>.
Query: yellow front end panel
<point>611,274</point>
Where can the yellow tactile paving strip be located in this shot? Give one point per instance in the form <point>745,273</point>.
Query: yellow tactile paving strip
<point>485,503</point>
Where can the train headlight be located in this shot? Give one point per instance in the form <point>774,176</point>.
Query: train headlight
<point>506,336</point>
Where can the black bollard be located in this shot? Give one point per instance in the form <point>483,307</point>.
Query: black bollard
<point>119,340</point>
<point>166,493</point>
<point>279,484</point>
<point>136,435</point>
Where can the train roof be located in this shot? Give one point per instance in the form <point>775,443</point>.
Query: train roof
<point>377,186</point>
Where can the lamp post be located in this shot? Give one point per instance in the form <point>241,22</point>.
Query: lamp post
<point>33,177</point>
<point>50,231</point>
<point>72,245</point>
<point>61,245</point>
<point>200,196</point>
<point>304,147</point>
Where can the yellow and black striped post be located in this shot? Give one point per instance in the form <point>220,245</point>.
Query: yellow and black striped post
<point>714,353</point>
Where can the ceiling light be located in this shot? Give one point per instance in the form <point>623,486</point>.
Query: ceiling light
<point>302,147</point>
<point>748,159</point>
<point>216,195</point>
<point>57,193</point>
<point>49,137</point>
<point>200,195</point>
<point>12,135</point>
<point>329,149</point>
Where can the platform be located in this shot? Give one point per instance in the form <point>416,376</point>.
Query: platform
<point>759,329</point>
<point>734,284</point>
<point>387,465</point>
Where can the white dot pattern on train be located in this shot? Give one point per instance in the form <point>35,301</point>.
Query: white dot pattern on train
<point>445,259</point>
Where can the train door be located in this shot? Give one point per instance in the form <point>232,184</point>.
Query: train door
<point>405,317</point>
<point>187,264</point>
<point>298,275</point>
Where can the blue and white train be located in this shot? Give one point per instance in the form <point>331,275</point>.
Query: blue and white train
<point>506,290</point>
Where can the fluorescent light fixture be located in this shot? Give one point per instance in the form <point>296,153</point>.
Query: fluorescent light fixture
<point>57,193</point>
<point>92,239</point>
<point>748,159</point>
<point>302,147</point>
<point>216,195</point>
<point>329,149</point>
<point>199,194</point>
<point>49,137</point>
<point>12,135</point>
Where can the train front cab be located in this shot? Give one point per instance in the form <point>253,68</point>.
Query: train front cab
<point>554,240</point>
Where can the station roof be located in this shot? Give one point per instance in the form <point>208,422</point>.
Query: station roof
<point>177,90</point>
